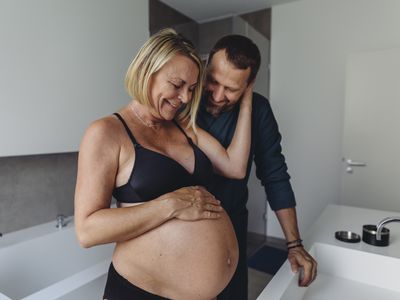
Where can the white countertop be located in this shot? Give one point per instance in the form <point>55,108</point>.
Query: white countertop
<point>337,218</point>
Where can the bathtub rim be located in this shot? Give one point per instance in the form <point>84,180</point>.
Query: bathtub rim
<point>65,285</point>
<point>36,231</point>
<point>71,283</point>
<point>26,234</point>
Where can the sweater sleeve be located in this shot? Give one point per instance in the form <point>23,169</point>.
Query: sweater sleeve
<point>270,163</point>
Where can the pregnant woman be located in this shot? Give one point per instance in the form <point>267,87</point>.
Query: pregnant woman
<point>173,239</point>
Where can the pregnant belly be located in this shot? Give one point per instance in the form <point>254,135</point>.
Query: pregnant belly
<point>181,259</point>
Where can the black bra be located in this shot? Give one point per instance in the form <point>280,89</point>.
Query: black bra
<point>155,174</point>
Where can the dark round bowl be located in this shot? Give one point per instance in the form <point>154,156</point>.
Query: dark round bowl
<point>347,236</point>
<point>369,236</point>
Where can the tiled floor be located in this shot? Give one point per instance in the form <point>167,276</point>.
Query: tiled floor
<point>258,280</point>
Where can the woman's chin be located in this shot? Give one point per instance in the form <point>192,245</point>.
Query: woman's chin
<point>169,115</point>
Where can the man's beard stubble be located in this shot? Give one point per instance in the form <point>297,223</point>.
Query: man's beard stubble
<point>214,110</point>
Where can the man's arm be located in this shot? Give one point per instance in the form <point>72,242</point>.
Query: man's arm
<point>272,171</point>
<point>297,256</point>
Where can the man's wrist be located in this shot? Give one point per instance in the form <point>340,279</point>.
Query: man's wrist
<point>294,244</point>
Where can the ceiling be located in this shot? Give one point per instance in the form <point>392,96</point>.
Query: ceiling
<point>207,10</point>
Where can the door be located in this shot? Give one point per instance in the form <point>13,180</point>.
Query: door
<point>371,147</point>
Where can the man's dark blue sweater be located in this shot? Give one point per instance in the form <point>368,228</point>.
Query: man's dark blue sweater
<point>271,169</point>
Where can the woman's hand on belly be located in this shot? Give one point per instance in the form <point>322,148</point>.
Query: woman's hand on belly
<point>194,203</point>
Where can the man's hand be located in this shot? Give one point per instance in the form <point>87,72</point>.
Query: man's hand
<point>297,256</point>
<point>247,96</point>
<point>300,258</point>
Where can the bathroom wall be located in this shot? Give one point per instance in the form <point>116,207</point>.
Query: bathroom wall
<point>63,61</point>
<point>163,16</point>
<point>35,188</point>
<point>310,42</point>
<point>210,32</point>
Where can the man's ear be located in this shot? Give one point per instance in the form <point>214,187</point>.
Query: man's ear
<point>253,82</point>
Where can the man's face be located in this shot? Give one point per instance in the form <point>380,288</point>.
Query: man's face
<point>225,84</point>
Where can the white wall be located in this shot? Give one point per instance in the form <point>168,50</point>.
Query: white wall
<point>310,42</point>
<point>62,66</point>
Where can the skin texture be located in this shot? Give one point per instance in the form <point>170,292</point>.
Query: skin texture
<point>180,245</point>
<point>225,86</point>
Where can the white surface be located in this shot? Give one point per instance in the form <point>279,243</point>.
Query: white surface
<point>72,283</point>
<point>328,287</point>
<point>49,262</point>
<point>372,89</point>
<point>310,42</point>
<point>3,297</point>
<point>350,274</point>
<point>91,290</point>
<point>63,65</point>
<point>344,265</point>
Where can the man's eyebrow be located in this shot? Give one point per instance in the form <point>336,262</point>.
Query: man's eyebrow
<point>232,89</point>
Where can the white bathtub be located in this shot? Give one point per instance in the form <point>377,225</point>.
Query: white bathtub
<point>46,263</point>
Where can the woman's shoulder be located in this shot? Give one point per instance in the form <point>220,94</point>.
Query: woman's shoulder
<point>190,132</point>
<point>104,131</point>
<point>106,126</point>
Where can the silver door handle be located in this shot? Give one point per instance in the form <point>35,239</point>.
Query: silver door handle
<point>355,163</point>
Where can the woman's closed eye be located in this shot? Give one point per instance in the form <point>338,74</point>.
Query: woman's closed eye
<point>176,86</point>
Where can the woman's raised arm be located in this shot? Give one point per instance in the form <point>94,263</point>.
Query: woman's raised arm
<point>231,162</point>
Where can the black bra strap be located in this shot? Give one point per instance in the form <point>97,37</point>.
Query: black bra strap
<point>183,131</point>
<point>127,129</point>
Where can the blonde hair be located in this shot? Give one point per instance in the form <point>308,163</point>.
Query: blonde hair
<point>154,54</point>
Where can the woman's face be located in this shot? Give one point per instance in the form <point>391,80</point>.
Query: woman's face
<point>172,86</point>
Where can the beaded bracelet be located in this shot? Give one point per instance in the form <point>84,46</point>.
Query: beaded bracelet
<point>295,246</point>
<point>294,242</point>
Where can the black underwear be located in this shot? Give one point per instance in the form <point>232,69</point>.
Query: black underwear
<point>118,288</point>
